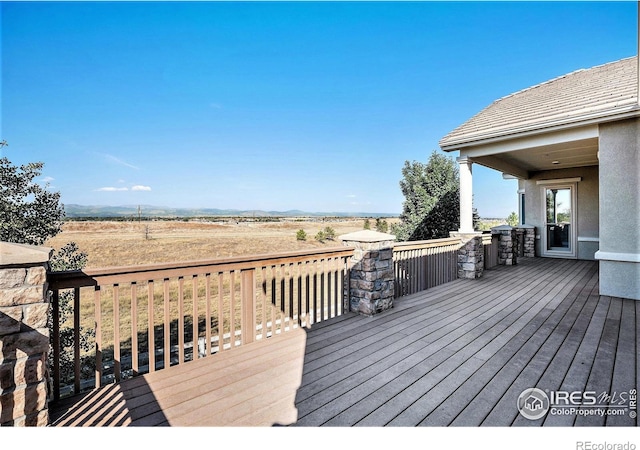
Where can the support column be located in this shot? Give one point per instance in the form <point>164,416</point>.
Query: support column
<point>466,195</point>
<point>24,335</point>
<point>371,285</point>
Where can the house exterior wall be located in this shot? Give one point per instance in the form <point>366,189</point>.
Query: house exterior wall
<point>587,219</point>
<point>619,252</point>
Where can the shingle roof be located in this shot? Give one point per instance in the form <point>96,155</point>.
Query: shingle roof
<point>586,93</point>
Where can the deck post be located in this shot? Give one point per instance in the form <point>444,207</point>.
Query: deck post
<point>529,238</point>
<point>372,280</point>
<point>508,246</point>
<point>24,335</point>
<point>470,255</point>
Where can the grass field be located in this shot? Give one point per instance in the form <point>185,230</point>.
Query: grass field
<point>110,243</point>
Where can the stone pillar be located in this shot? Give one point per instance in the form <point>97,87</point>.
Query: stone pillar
<point>518,249</point>
<point>24,335</point>
<point>371,285</point>
<point>508,245</point>
<point>470,255</point>
<point>529,237</point>
<point>466,195</point>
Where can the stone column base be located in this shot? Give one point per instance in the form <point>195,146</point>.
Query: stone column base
<point>371,285</point>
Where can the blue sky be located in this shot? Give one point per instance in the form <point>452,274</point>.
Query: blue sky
<point>275,106</point>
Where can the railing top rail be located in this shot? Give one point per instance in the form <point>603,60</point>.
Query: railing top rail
<point>128,274</point>
<point>410,245</point>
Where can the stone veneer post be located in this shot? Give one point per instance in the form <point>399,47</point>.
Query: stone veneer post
<point>372,279</point>
<point>470,255</point>
<point>508,245</point>
<point>24,335</point>
<point>529,236</point>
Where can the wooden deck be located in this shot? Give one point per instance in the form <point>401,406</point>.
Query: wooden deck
<point>458,354</point>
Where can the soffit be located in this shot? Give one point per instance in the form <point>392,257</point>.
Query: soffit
<point>579,153</point>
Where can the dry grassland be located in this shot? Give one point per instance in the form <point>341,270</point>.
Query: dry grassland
<point>132,243</point>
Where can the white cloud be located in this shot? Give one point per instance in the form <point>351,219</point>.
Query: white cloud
<point>351,196</point>
<point>141,188</point>
<point>112,189</point>
<point>47,179</point>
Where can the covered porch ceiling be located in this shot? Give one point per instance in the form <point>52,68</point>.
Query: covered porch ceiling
<point>522,157</point>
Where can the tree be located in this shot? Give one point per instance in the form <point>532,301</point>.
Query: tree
<point>432,205</point>
<point>301,235</point>
<point>329,233</point>
<point>321,237</point>
<point>512,219</point>
<point>432,201</point>
<point>381,225</point>
<point>29,213</point>
<point>367,224</point>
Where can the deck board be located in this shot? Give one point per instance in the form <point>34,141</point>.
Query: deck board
<point>602,370</point>
<point>624,366</point>
<point>484,379</point>
<point>458,354</point>
<point>539,350</point>
<point>530,321</point>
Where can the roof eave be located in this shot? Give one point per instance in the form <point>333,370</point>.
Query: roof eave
<point>628,112</point>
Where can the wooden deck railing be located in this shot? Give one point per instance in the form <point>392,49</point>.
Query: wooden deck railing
<point>131,320</point>
<point>419,265</point>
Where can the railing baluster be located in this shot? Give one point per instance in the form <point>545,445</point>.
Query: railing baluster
<point>232,308</point>
<point>181,320</point>
<point>98,321</point>
<point>315,292</point>
<point>208,350</point>
<point>263,296</point>
<point>194,317</point>
<point>323,277</point>
<point>299,291</point>
<point>336,277</point>
<point>76,341</point>
<point>291,314</point>
<point>151,331</point>
<point>330,309</point>
<point>116,333</point>
<point>282,297</point>
<point>220,311</point>
<point>273,297</point>
<point>56,343</point>
<point>248,305</point>
<point>167,324</point>
<point>134,330</point>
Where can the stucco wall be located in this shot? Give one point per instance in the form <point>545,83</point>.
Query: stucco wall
<point>620,209</point>
<point>587,219</point>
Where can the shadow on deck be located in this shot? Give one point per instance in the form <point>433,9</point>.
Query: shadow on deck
<point>459,354</point>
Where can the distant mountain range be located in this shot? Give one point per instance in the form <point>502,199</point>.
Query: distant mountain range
<point>84,211</point>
